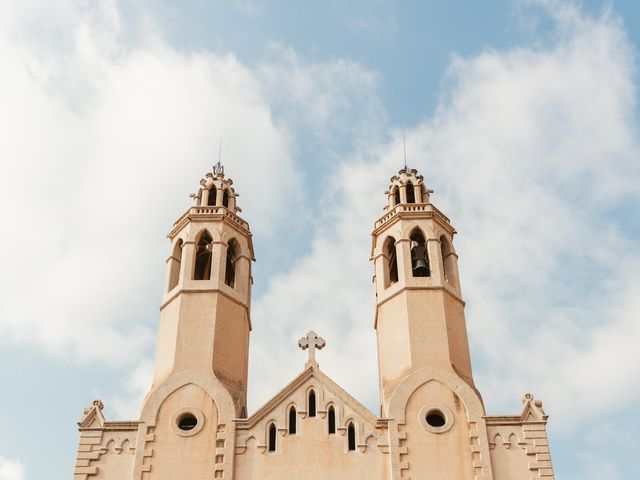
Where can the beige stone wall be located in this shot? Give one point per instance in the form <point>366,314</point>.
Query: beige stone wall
<point>312,453</point>
<point>444,455</point>
<point>519,444</point>
<point>458,449</point>
<point>105,455</point>
<point>106,450</point>
<point>189,455</point>
<point>508,453</point>
<point>231,347</point>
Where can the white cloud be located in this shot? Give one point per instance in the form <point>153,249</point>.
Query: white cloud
<point>532,152</point>
<point>104,138</point>
<point>127,402</point>
<point>101,146</point>
<point>334,101</point>
<point>11,469</point>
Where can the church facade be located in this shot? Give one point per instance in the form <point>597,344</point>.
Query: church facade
<point>432,423</point>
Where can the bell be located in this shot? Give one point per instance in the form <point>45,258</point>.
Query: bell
<point>420,268</point>
<point>209,247</point>
<point>419,263</point>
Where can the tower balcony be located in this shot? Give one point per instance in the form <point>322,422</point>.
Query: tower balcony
<point>207,213</point>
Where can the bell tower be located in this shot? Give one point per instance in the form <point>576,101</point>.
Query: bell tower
<point>205,313</point>
<point>419,308</point>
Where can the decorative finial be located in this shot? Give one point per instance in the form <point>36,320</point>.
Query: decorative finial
<point>218,169</point>
<point>311,341</point>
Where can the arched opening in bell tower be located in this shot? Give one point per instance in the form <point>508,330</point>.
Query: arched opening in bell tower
<point>419,255</point>
<point>411,194</point>
<point>176,262</point>
<point>230,266</point>
<point>396,195</point>
<point>204,249</point>
<point>225,198</point>
<point>213,192</point>
<point>391,267</point>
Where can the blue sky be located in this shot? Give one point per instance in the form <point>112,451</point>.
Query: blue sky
<point>522,115</point>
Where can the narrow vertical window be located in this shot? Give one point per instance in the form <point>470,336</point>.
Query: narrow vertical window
<point>411,194</point>
<point>396,195</point>
<point>312,403</point>
<point>225,198</point>
<point>332,420</point>
<point>230,269</point>
<point>175,263</point>
<point>213,192</point>
<point>272,438</point>
<point>419,255</point>
<point>391,273</point>
<point>351,437</point>
<point>292,420</point>
<point>202,270</point>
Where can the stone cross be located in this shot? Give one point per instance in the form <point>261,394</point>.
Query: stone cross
<point>311,341</point>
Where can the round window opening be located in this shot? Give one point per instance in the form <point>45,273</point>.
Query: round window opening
<point>436,419</point>
<point>187,422</point>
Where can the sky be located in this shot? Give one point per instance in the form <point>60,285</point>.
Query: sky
<point>522,116</point>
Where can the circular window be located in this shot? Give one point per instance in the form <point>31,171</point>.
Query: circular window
<point>187,421</point>
<point>436,418</point>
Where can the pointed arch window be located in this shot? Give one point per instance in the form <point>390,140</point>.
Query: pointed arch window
<point>331,420</point>
<point>213,193</point>
<point>351,437</point>
<point>396,195</point>
<point>272,438</point>
<point>419,255</point>
<point>312,404</point>
<point>411,194</point>
<point>292,420</point>
<point>204,249</point>
<point>391,270</point>
<point>230,268</point>
<point>225,198</point>
<point>175,263</point>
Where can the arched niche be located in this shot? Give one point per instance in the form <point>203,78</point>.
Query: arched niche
<point>175,263</point>
<point>203,257</point>
<point>420,265</point>
<point>391,261</point>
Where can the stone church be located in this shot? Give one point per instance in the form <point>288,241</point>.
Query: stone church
<point>194,423</point>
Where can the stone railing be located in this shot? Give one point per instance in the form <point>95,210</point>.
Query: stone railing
<point>214,210</point>
<point>402,208</point>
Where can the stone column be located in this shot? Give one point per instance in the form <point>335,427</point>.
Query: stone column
<point>205,197</point>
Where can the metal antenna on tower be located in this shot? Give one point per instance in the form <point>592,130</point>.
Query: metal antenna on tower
<point>218,169</point>
<point>404,146</point>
